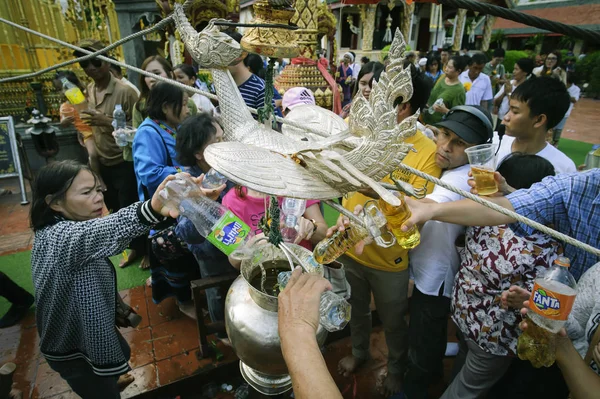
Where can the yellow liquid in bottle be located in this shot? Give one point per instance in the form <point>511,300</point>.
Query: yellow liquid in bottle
<point>396,215</point>
<point>484,180</point>
<point>329,249</point>
<point>537,345</point>
<point>75,96</point>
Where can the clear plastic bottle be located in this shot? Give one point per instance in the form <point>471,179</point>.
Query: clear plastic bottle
<point>333,309</point>
<point>213,179</point>
<point>212,220</point>
<point>329,249</point>
<point>121,137</point>
<point>396,216</point>
<point>550,303</point>
<point>292,209</point>
<point>438,102</point>
<point>72,92</point>
<point>119,118</point>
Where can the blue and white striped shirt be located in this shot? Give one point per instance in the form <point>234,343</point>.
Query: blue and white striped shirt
<point>571,203</point>
<point>253,93</point>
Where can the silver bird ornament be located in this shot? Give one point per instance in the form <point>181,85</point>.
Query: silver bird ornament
<point>258,157</point>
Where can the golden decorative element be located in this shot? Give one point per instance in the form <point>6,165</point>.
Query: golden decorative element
<point>490,20</point>
<point>367,14</point>
<point>459,23</point>
<point>407,14</point>
<point>306,18</point>
<point>271,42</point>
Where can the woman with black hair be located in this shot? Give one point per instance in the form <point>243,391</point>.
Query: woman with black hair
<point>552,67</point>
<point>522,71</point>
<point>154,143</point>
<point>432,68</point>
<point>364,82</point>
<point>194,135</point>
<point>186,74</point>
<point>449,90</point>
<point>75,282</point>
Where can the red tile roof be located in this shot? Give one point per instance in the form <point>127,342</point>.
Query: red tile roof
<point>588,14</point>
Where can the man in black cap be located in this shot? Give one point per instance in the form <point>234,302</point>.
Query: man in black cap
<point>435,262</point>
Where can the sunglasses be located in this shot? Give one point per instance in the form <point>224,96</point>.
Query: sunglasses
<point>94,61</point>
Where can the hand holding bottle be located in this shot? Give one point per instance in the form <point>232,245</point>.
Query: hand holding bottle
<point>167,208</point>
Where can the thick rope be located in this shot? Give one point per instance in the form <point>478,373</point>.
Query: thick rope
<point>97,54</point>
<point>504,211</point>
<point>517,16</point>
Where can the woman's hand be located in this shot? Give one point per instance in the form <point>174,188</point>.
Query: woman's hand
<point>168,208</point>
<point>507,89</point>
<point>514,297</point>
<point>306,229</point>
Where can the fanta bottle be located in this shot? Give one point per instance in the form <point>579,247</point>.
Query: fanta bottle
<point>213,221</point>
<point>549,307</point>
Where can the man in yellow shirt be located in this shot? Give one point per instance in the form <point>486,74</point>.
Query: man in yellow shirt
<point>384,271</point>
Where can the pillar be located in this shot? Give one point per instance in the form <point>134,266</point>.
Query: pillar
<point>578,47</point>
<point>368,20</point>
<point>306,18</point>
<point>487,32</point>
<point>459,28</point>
<point>407,15</point>
<point>129,13</point>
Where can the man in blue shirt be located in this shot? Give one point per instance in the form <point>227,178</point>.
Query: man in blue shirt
<point>569,201</point>
<point>252,88</point>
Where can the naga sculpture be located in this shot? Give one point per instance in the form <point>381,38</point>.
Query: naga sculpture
<point>267,161</point>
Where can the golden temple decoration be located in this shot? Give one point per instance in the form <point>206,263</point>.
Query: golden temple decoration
<point>367,15</point>
<point>459,23</point>
<point>409,10</point>
<point>271,42</point>
<point>306,18</point>
<point>487,32</point>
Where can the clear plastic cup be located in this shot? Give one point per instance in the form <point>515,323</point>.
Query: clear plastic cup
<point>483,165</point>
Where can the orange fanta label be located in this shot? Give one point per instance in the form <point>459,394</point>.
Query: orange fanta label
<point>550,304</point>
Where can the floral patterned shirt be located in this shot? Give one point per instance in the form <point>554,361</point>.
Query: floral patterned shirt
<point>493,259</point>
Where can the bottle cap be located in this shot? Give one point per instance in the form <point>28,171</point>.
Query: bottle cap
<point>562,261</point>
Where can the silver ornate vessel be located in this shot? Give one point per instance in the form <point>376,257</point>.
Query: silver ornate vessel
<point>251,320</point>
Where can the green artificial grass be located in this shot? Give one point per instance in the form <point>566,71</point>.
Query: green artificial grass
<point>576,150</point>
<point>18,268</point>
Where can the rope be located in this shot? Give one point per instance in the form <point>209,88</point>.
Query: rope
<point>517,16</point>
<point>504,211</point>
<point>97,54</point>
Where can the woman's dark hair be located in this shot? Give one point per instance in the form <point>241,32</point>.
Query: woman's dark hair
<point>371,66</point>
<point>192,136</point>
<point>71,77</point>
<point>459,63</point>
<point>144,90</point>
<point>187,69</point>
<point>255,64</point>
<point>163,93</point>
<point>522,170</point>
<point>364,60</point>
<point>52,180</point>
<point>430,60</point>
<point>421,89</point>
<point>558,60</point>
<point>526,65</point>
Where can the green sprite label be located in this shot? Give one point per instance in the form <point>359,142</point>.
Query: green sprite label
<point>228,233</point>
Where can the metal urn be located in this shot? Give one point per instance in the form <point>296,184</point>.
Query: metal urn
<point>251,317</point>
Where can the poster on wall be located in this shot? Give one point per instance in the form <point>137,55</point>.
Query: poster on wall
<point>10,163</point>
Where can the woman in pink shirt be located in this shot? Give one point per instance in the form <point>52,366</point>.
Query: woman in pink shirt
<point>250,205</point>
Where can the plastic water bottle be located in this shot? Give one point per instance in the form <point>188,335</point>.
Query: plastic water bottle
<point>439,102</point>
<point>121,137</point>
<point>334,310</point>
<point>550,303</point>
<point>213,179</point>
<point>119,118</point>
<point>293,209</point>
<point>212,220</point>
<point>72,92</point>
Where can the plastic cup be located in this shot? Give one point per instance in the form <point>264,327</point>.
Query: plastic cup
<point>483,165</point>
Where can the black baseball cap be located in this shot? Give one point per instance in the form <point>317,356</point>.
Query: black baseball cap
<point>472,123</point>
<point>90,45</point>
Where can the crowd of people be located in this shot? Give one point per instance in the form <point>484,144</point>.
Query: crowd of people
<point>479,276</point>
